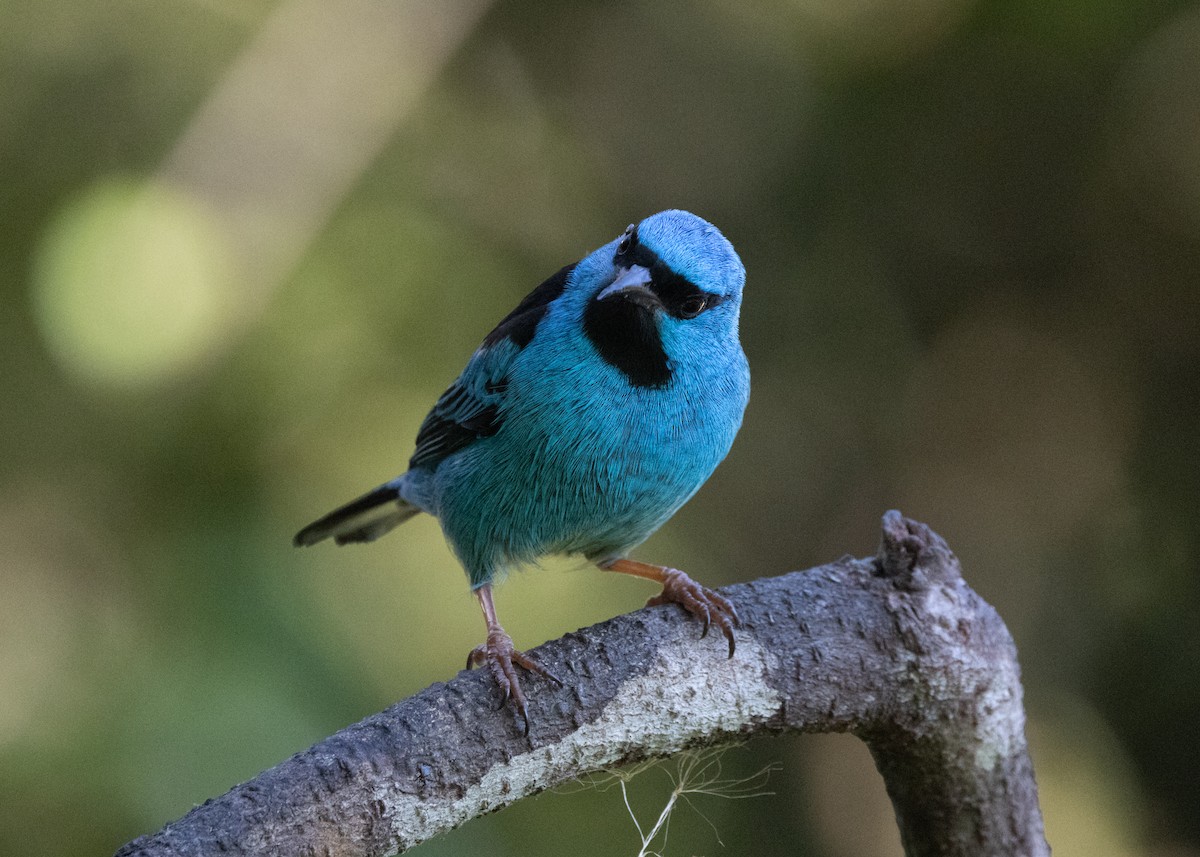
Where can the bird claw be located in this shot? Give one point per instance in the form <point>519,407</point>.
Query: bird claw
<point>502,659</point>
<point>711,607</point>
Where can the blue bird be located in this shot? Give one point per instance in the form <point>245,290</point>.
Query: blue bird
<point>587,417</point>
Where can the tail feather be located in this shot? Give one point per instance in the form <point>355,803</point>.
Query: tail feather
<point>361,520</point>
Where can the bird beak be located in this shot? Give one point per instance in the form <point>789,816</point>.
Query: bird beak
<point>632,283</point>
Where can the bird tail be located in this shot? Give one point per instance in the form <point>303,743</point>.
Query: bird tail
<point>362,520</point>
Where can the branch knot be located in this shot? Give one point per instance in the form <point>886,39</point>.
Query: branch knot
<point>913,556</point>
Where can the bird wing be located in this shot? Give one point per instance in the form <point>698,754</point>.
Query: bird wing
<point>467,411</point>
<point>472,408</point>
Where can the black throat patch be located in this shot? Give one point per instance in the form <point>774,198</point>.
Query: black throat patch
<point>626,334</point>
<point>627,337</point>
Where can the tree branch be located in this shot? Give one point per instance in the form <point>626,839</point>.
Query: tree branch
<point>896,649</point>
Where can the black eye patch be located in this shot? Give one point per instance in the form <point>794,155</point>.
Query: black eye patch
<point>681,298</point>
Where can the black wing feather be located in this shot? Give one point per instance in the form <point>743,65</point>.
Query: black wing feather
<point>441,435</point>
<point>520,324</point>
<point>471,408</point>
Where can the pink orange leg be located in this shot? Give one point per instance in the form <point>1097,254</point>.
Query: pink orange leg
<point>500,656</point>
<point>680,589</point>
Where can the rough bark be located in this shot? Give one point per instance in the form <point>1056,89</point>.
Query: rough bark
<point>896,649</point>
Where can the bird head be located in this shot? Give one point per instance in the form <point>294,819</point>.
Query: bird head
<point>668,289</point>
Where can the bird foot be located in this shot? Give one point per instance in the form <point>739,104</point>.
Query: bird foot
<point>712,608</point>
<point>500,655</point>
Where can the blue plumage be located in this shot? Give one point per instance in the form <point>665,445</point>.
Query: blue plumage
<point>583,422</point>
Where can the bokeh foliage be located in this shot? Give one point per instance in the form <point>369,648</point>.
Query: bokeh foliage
<point>247,244</point>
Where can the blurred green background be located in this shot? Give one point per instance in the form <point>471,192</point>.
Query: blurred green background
<point>247,242</point>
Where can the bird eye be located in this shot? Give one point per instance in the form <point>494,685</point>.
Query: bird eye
<point>692,306</point>
<point>626,240</point>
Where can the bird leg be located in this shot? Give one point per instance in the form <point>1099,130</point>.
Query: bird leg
<point>500,655</point>
<point>680,589</point>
